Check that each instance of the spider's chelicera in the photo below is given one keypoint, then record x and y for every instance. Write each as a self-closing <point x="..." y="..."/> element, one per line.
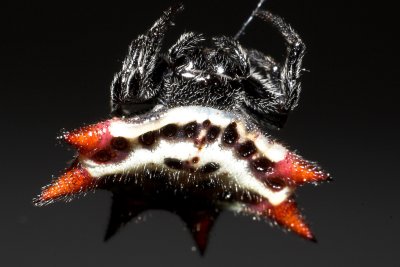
<point x="189" y="133"/>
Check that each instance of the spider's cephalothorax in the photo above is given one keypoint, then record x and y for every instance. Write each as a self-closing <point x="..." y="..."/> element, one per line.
<point x="188" y="133"/>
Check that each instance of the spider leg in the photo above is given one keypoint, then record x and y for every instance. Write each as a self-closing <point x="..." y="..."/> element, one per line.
<point x="263" y="93"/>
<point x="291" y="69"/>
<point x="232" y="57"/>
<point x="186" y="44"/>
<point x="273" y="89"/>
<point x="137" y="82"/>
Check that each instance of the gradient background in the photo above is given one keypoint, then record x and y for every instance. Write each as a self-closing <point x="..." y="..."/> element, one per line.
<point x="57" y="62"/>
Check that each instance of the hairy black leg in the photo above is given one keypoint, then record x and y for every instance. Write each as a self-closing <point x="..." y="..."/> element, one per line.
<point x="262" y="90"/>
<point x="273" y="89"/>
<point x="291" y="69"/>
<point x="231" y="57"/>
<point x="137" y="82"/>
<point x="186" y="44"/>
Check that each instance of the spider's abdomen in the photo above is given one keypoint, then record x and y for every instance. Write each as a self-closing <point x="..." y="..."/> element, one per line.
<point x="206" y="152"/>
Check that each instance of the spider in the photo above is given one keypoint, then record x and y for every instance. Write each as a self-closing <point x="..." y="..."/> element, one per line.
<point x="189" y="133"/>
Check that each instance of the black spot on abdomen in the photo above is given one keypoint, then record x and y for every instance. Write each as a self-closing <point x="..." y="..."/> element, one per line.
<point x="191" y="129"/>
<point x="246" y="149"/>
<point x="262" y="164"/>
<point x="213" y="133"/>
<point x="119" y="143"/>
<point x="148" y="138"/>
<point x="209" y="167"/>
<point x="230" y="135"/>
<point x="206" y="123"/>
<point x="275" y="183"/>
<point x="174" y="163"/>
<point x="169" y="130"/>
<point x="102" y="156"/>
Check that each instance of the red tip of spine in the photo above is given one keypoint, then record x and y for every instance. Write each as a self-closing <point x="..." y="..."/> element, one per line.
<point x="89" y="138"/>
<point x="288" y="216"/>
<point x="75" y="180"/>
<point x="299" y="171"/>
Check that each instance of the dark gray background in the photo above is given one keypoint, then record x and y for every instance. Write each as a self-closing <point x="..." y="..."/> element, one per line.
<point x="57" y="62"/>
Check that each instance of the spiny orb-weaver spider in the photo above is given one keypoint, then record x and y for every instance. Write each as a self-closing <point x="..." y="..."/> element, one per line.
<point x="189" y="133"/>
